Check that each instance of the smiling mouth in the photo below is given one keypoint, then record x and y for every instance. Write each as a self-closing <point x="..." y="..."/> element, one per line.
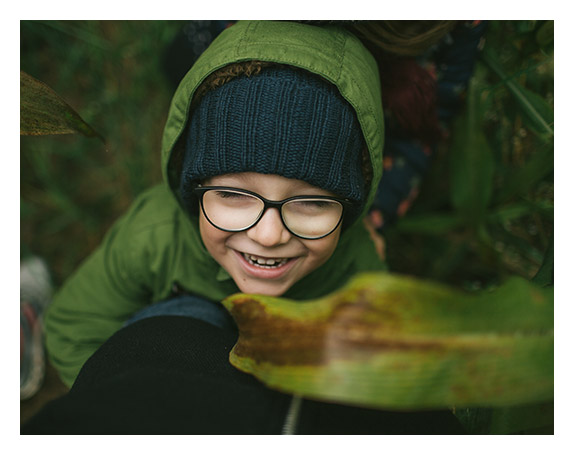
<point x="266" y="263"/>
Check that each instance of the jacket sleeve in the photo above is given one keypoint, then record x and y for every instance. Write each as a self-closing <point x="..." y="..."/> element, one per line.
<point x="118" y="279"/>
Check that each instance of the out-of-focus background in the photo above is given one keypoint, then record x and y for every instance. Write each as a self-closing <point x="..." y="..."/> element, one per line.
<point x="72" y="187"/>
<point x="485" y="210"/>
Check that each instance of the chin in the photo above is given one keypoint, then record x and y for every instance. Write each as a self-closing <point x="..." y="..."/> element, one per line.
<point x="269" y="289"/>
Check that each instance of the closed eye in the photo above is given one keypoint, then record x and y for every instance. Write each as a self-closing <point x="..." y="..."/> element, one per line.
<point x="232" y="195"/>
<point x="313" y="205"/>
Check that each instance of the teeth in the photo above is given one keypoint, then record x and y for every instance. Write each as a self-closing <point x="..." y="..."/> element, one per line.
<point x="263" y="262"/>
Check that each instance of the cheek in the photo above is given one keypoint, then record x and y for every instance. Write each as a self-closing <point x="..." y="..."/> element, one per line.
<point x="212" y="237"/>
<point x="321" y="250"/>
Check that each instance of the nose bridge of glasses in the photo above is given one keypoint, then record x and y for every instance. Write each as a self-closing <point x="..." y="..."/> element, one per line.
<point x="270" y="228"/>
<point x="271" y="209"/>
<point x="280" y="208"/>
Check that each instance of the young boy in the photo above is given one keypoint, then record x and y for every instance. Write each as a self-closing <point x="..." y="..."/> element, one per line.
<point x="268" y="173"/>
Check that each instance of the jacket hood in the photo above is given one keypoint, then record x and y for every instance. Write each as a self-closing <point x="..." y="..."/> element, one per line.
<point x="330" y="52"/>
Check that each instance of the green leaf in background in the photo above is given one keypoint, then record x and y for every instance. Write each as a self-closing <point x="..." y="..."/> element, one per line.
<point x="521" y="180"/>
<point x="538" y="114"/>
<point x="545" y="275"/>
<point x="43" y="112"/>
<point x="394" y="342"/>
<point x="545" y="35"/>
<point x="472" y="163"/>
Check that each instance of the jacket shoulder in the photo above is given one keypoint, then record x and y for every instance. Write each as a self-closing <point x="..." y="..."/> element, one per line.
<point x="155" y="206"/>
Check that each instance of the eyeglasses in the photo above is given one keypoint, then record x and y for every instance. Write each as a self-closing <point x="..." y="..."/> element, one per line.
<point x="235" y="210"/>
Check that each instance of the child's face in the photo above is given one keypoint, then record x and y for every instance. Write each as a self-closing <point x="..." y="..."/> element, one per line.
<point x="268" y="239"/>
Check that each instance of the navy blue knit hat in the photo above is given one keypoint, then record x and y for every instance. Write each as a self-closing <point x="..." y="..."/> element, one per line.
<point x="281" y="121"/>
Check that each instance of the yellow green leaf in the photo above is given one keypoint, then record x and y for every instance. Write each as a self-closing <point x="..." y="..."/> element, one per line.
<point x="43" y="111"/>
<point x="394" y="342"/>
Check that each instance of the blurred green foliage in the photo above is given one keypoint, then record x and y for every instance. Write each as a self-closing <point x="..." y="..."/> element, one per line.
<point x="485" y="210"/>
<point x="72" y="188"/>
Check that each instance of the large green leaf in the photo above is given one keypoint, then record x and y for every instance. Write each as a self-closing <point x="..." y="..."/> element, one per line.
<point x="43" y="112"/>
<point x="395" y="342"/>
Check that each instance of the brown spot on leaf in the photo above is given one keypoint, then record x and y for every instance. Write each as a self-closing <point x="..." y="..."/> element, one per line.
<point x="351" y="329"/>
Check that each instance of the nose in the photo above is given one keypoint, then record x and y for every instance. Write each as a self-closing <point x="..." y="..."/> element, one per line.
<point x="269" y="231"/>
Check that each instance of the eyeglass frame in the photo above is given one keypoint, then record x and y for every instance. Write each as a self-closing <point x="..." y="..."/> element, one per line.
<point x="267" y="204"/>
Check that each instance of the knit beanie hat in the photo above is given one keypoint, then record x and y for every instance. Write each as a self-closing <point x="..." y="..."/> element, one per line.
<point x="280" y="121"/>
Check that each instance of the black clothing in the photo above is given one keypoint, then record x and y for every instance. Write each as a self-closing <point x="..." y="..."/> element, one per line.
<point x="171" y="375"/>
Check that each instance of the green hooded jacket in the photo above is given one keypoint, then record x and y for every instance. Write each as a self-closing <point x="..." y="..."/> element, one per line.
<point x="156" y="245"/>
